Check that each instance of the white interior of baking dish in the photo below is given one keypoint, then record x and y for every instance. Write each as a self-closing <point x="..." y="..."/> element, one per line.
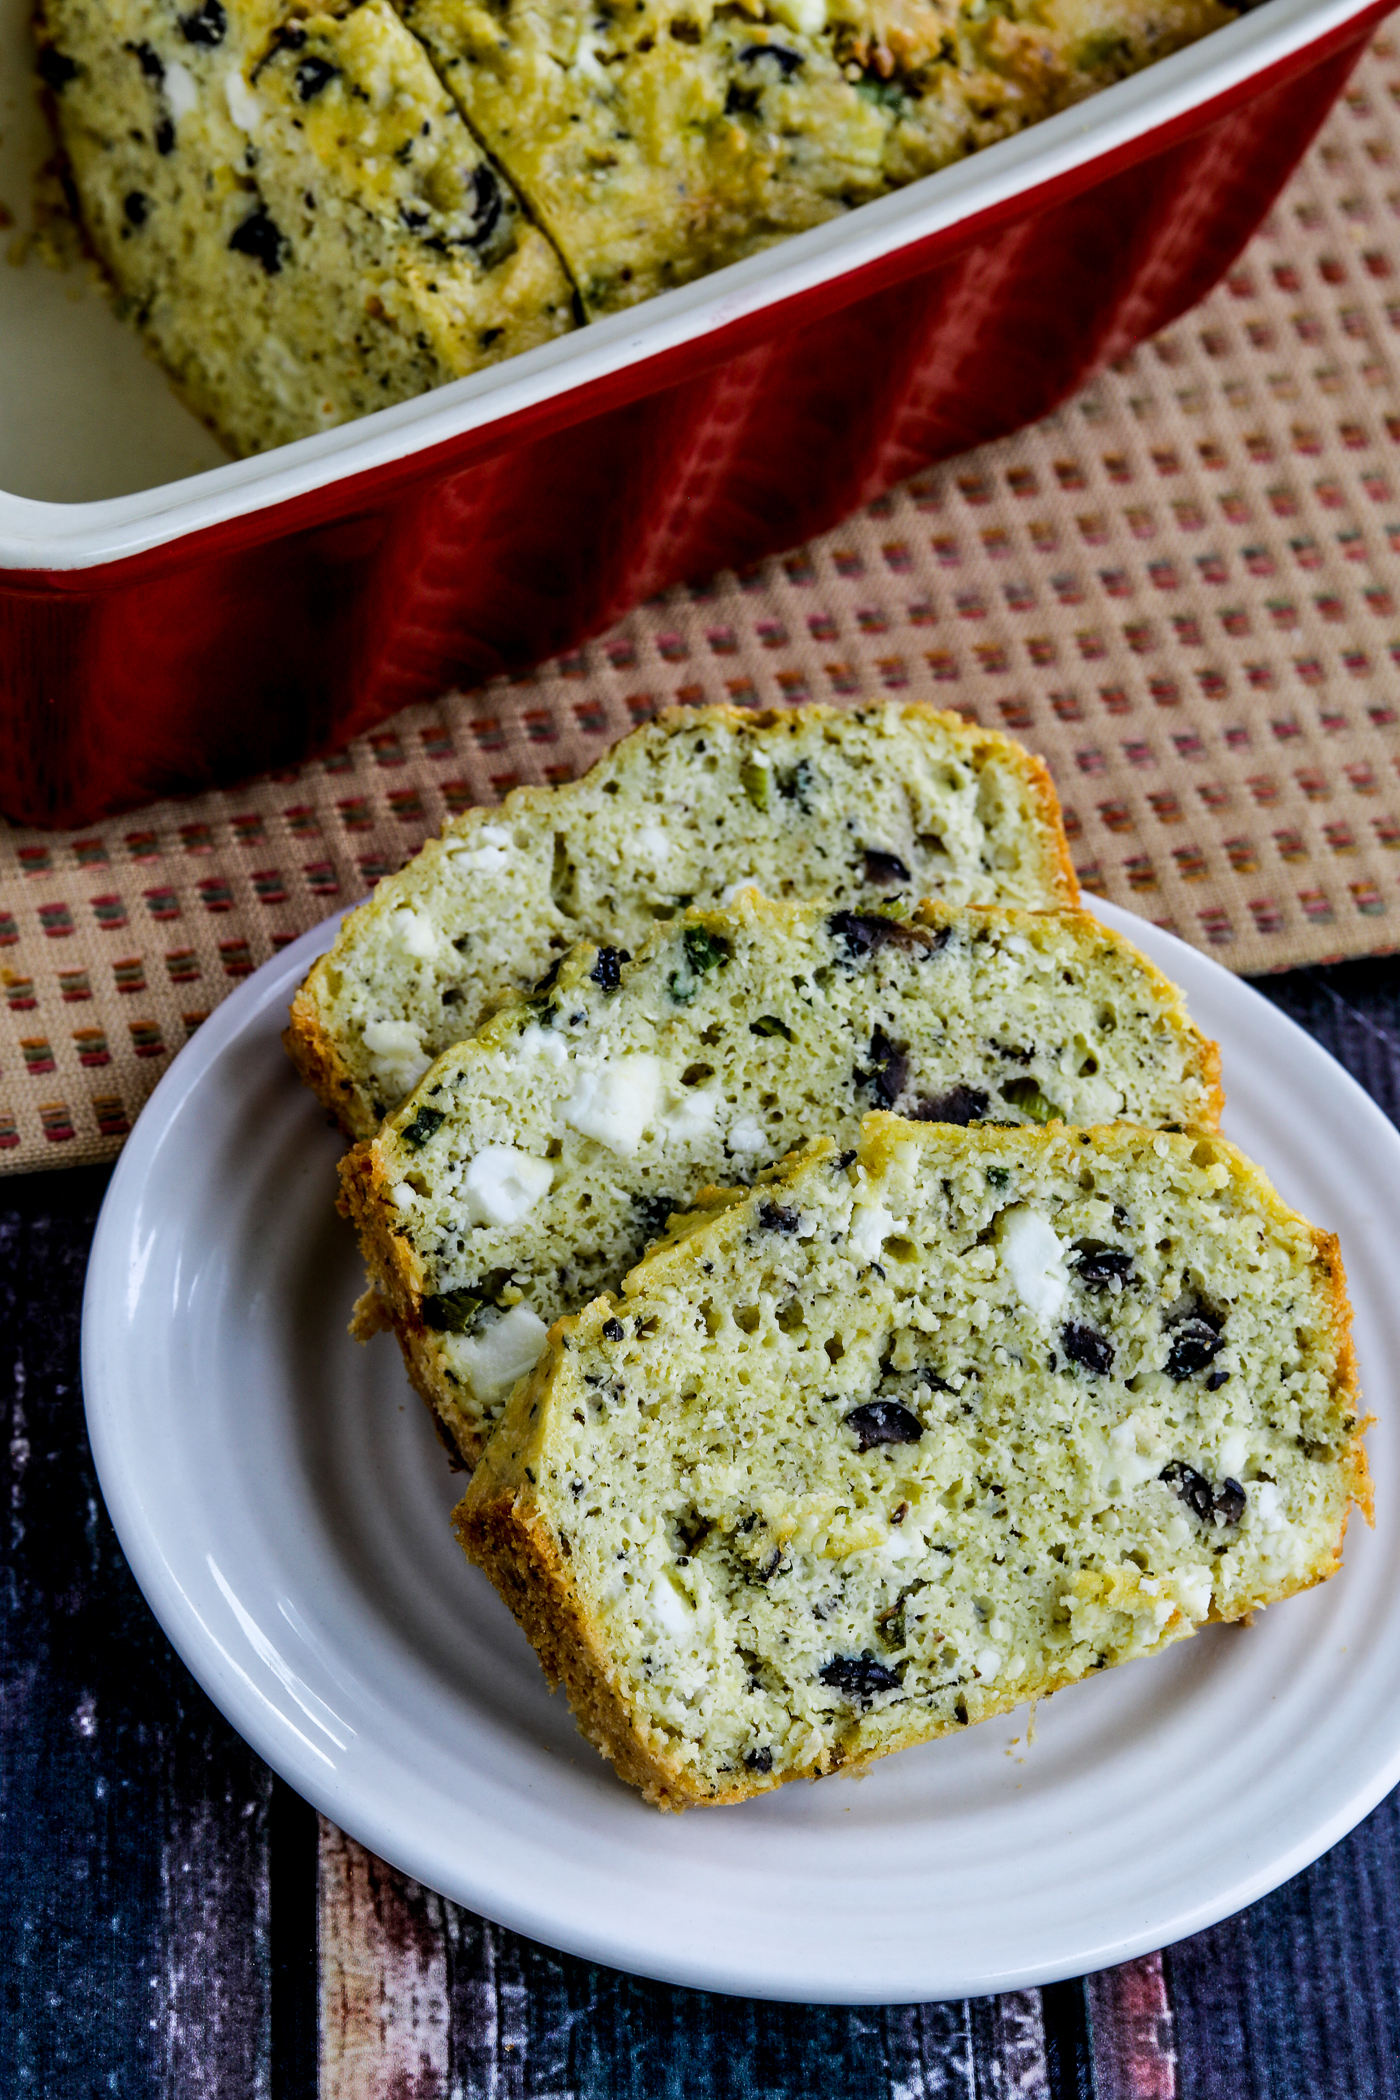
<point x="98" y="459"/>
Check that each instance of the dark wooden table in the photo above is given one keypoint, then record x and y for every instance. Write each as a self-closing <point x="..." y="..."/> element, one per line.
<point x="177" y="1923"/>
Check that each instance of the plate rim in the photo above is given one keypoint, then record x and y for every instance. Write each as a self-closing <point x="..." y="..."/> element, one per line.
<point x="375" y="1823"/>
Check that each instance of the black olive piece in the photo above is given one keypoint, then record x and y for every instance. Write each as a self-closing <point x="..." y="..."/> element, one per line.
<point x="651" y="1213"/>
<point x="136" y="207"/>
<point x="884" y="868"/>
<point x="774" y="1219"/>
<point x="1229" y="1501"/>
<point x="858" y="1677"/>
<point x="1083" y="1346"/>
<point x="759" y="1760"/>
<point x="613" y="1330"/>
<point x="1100" y="1267"/>
<point x="452" y="1312"/>
<point x="152" y="64"/>
<point x="787" y="61"/>
<point x="261" y="237"/>
<point x="422" y="1127"/>
<point x="863" y="932"/>
<point x="889" y="1072"/>
<point x="1226" y="1502"/>
<point x="312" y="75"/>
<point x="843" y="1159"/>
<point x="487" y="205"/>
<point x="1194" y="1342"/>
<point x="884" y="1422"/>
<point x="1190" y="1487"/>
<point x="607" y="970"/>
<point x="165" y="136"/>
<point x="1216" y="1380"/>
<point x="208" y="24"/>
<point x="56" y="69"/>
<point x="768" y="1025"/>
<point x="961" y="1105"/>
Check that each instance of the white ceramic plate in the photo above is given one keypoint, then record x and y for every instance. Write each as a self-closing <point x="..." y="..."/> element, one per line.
<point x="283" y="1502"/>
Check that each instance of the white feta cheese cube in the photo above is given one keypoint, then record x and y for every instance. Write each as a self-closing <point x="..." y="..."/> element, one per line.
<point x="502" y="1184"/>
<point x="1034" y="1259"/>
<point x="614" y="1102"/>
<point x="502" y="1352"/>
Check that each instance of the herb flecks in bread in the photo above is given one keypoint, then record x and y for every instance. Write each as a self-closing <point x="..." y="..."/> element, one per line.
<point x="998" y="1410"/>
<point x="854" y="805"/>
<point x="537" y="1160"/>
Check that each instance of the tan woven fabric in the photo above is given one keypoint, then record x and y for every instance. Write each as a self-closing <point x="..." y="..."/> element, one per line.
<point x="1183" y="589"/>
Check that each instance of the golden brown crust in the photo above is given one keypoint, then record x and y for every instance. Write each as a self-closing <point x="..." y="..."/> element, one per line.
<point x="319" y="1063"/>
<point x="396" y="1287"/>
<point x="1348" y="1378"/>
<point x="525" y="1563"/>
<point x="1046" y="797"/>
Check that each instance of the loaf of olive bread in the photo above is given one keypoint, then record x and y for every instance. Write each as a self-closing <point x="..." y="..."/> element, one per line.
<point x="914" y="1432"/>
<point x="855" y="805"/>
<point x="537" y="1160"/>
<point x="291" y="207"/>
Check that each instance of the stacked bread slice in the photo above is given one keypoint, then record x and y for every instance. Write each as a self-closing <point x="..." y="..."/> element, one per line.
<point x="853" y="805"/>
<point x="906" y="1435"/>
<point x="854" y="1318"/>
<point x="540" y="1157"/>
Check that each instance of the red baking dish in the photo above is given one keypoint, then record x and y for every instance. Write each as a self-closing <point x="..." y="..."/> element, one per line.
<point x="243" y="617"/>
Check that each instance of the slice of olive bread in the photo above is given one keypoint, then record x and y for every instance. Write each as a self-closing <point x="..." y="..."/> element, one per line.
<point x="854" y="805"/>
<point x="915" y="1432"/>
<point x="537" y="1160"/>
<point x="291" y="206"/>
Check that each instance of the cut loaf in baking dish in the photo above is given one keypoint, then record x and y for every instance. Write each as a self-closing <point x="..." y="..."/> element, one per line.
<point x="536" y="1161"/>
<point x="913" y="1433"/>
<point x="660" y="140"/>
<point x="855" y="805"/>
<point x="291" y="207"/>
<point x="307" y="228"/>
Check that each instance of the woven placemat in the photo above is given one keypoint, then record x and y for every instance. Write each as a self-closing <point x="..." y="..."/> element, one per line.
<point x="1182" y="589"/>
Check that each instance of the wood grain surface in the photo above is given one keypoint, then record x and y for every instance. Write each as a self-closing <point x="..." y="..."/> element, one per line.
<point x="179" y="1926"/>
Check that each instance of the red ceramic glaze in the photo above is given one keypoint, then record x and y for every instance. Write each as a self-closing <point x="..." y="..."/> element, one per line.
<point x="273" y="635"/>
